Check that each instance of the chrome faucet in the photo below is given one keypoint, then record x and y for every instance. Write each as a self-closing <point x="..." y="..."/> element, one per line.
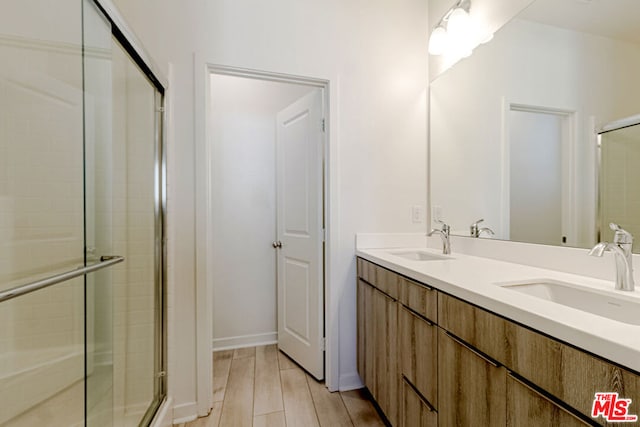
<point x="477" y="231"/>
<point x="444" y="235"/>
<point x="621" y="247"/>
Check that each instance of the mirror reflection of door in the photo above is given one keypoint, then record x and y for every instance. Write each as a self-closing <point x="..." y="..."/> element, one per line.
<point x="538" y="199"/>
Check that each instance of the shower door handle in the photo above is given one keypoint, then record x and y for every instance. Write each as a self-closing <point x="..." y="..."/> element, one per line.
<point x="105" y="261"/>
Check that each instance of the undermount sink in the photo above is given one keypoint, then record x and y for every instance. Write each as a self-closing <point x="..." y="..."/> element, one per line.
<point x="600" y="303"/>
<point x="418" y="255"/>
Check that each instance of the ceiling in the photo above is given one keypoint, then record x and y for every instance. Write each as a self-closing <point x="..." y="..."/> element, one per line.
<point x="617" y="19"/>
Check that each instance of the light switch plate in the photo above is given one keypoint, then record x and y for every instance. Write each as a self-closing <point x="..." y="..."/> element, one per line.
<point x="417" y="214"/>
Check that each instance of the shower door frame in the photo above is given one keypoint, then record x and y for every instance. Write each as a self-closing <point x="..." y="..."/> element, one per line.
<point x="131" y="44"/>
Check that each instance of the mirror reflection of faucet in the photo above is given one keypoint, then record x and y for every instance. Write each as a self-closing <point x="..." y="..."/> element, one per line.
<point x="621" y="247"/>
<point x="444" y="235"/>
<point x="476" y="231"/>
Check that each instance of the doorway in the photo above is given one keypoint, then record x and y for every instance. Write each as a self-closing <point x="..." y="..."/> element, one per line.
<point x="267" y="145"/>
<point x="540" y="163"/>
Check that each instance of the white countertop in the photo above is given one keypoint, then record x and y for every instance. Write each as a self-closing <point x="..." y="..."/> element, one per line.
<point x="474" y="279"/>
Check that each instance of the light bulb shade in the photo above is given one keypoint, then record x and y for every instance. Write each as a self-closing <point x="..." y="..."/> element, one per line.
<point x="438" y="41"/>
<point x="459" y="23"/>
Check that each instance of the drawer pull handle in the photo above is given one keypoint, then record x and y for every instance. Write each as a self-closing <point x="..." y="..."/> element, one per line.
<point x="420" y="396"/>
<point x="418" y="315"/>
<point x="473" y="350"/>
<point x="422" y="285"/>
<point x="542" y="396"/>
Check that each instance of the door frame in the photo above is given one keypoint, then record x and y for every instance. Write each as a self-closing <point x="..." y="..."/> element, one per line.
<point x="203" y="226"/>
<point x="569" y="140"/>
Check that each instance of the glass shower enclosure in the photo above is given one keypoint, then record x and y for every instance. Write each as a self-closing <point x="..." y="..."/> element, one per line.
<point x="82" y="295"/>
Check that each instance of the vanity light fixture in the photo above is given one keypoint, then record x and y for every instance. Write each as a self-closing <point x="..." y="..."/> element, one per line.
<point x="457" y="34"/>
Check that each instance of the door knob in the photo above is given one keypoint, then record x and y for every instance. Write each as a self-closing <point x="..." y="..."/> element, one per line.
<point x="277" y="244"/>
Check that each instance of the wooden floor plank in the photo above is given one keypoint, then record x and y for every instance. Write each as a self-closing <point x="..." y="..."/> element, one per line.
<point x="221" y="365"/>
<point x="213" y="420"/>
<point x="240" y="353"/>
<point x="361" y="409"/>
<point x="285" y="362"/>
<point x="274" y="419"/>
<point x="268" y="391"/>
<point x="329" y="406"/>
<point x="237" y="409"/>
<point x="298" y="404"/>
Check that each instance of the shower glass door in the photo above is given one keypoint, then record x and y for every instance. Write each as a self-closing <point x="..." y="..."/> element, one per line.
<point x="80" y="183"/>
<point x="41" y="212"/>
<point x="123" y="217"/>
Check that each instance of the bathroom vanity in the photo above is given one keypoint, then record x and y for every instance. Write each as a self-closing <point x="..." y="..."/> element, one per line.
<point x="449" y="340"/>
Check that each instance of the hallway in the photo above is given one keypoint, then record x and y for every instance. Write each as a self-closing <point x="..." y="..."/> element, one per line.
<point x="260" y="386"/>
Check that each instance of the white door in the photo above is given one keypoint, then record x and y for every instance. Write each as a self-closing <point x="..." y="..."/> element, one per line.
<point x="300" y="140"/>
<point x="536" y="177"/>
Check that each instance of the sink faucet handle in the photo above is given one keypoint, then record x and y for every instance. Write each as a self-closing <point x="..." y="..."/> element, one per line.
<point x="621" y="236"/>
<point x="477" y="222"/>
<point x="445" y="226"/>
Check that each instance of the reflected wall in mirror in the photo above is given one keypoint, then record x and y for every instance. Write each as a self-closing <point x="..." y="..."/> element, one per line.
<point x="620" y="182"/>
<point x="513" y="127"/>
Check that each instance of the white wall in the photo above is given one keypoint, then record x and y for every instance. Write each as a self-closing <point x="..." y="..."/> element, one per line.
<point x="243" y="184"/>
<point x="373" y="53"/>
<point x="589" y="75"/>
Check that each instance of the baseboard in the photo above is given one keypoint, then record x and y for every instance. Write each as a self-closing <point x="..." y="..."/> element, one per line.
<point x="350" y="382"/>
<point x="185" y="412"/>
<point x="244" y="341"/>
<point x="164" y="416"/>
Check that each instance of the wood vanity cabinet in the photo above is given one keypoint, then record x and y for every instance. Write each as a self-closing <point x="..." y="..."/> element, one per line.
<point x="377" y="338"/>
<point x="430" y="359"/>
<point x="547" y="380"/>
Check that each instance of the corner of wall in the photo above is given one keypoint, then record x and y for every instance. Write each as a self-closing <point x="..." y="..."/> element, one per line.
<point x="350" y="381"/>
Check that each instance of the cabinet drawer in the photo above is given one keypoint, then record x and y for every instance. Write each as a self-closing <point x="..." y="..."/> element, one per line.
<point x="481" y="329"/>
<point x="415" y="411"/>
<point x="420" y="298"/>
<point x="570" y="375"/>
<point x="383" y="279"/>
<point x="527" y="407"/>
<point x="471" y="387"/>
<point x="419" y="353"/>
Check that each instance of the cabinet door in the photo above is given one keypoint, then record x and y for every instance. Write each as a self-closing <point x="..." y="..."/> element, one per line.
<point x="385" y="319"/>
<point x="415" y="411"/>
<point x="471" y="386"/>
<point x="366" y="337"/>
<point x="571" y="375"/>
<point x="526" y="407"/>
<point x="419" y="353"/>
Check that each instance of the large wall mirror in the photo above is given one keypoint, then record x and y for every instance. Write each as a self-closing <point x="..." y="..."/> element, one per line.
<point x="514" y="127"/>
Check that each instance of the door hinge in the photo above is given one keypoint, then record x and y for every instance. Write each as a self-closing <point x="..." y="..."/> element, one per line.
<point x="324" y="235"/>
<point x="323" y="344"/>
<point x="160" y="110"/>
<point x="323" y="126"/>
